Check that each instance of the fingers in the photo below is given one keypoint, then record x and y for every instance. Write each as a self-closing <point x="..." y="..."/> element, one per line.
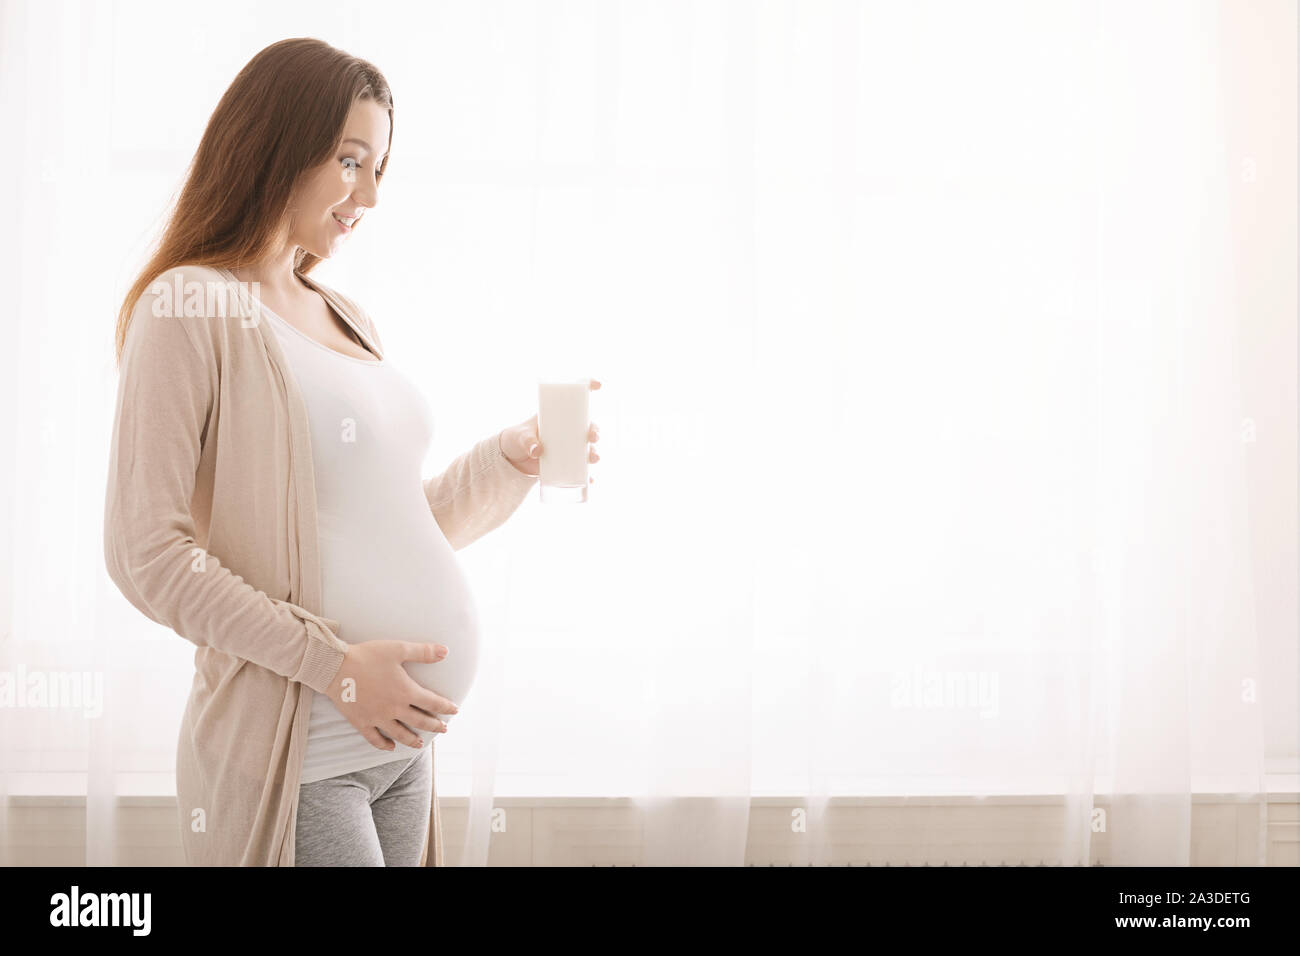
<point x="431" y="703"/>
<point x="593" y="433"/>
<point x="533" y="442"/>
<point x="400" y="732"/>
<point x="425" y="653"/>
<point x="426" y="721"/>
<point x="377" y="740"/>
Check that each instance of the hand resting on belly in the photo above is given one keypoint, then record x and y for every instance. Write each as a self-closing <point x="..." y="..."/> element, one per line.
<point x="377" y="696"/>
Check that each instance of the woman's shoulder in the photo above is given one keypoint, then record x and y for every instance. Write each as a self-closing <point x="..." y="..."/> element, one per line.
<point x="193" y="290"/>
<point x="189" y="277"/>
<point x="205" y="299"/>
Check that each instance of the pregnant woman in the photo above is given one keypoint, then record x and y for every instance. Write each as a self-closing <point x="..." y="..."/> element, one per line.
<point x="265" y="498"/>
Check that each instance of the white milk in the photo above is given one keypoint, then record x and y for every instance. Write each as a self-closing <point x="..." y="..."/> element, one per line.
<point x="563" y="418"/>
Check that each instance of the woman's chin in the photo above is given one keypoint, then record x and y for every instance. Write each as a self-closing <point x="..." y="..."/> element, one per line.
<point x="325" y="250"/>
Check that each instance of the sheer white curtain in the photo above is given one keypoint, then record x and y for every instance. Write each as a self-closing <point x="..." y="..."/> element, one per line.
<point x="923" y="468"/>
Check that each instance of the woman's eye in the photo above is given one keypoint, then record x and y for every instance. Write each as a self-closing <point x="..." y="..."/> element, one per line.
<point x="350" y="167"/>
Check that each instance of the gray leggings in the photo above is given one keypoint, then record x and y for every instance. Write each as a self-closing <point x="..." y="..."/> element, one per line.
<point x="373" y="817"/>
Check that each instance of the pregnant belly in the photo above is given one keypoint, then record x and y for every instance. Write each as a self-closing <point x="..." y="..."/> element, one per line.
<point x="403" y="586"/>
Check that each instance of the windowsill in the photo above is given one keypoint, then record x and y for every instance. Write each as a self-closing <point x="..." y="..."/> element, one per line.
<point x="140" y="789"/>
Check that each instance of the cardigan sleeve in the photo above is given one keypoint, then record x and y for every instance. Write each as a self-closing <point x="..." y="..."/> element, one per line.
<point x="476" y="493"/>
<point x="165" y="400"/>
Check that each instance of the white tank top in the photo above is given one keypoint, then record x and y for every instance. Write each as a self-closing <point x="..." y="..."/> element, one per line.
<point x="387" y="571"/>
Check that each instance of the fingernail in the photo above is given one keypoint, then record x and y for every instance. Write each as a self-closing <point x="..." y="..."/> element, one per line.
<point x="532" y="449"/>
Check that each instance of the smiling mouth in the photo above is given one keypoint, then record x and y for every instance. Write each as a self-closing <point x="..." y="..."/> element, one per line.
<point x="347" y="222"/>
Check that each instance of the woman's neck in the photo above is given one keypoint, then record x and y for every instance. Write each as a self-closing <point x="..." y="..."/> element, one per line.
<point x="274" y="277"/>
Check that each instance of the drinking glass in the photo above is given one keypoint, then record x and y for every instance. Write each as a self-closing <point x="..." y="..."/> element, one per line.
<point x="563" y="420"/>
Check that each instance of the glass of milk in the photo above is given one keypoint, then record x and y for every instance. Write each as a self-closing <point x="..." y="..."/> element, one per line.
<point x="563" y="420"/>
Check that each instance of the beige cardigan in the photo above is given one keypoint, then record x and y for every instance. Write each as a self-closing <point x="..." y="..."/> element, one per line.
<point x="210" y="529"/>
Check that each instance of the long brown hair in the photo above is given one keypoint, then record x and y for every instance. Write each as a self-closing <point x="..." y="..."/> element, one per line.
<point x="282" y="116"/>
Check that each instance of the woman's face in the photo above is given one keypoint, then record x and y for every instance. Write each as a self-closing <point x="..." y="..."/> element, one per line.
<point x="344" y="186"/>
